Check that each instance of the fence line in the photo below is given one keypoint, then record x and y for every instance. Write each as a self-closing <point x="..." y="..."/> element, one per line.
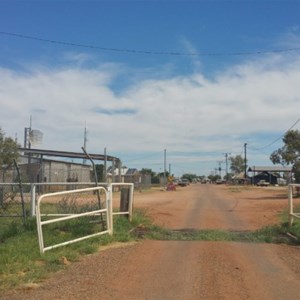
<point x="31" y="194"/>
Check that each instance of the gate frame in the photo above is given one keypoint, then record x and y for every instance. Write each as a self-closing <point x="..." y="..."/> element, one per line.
<point x="108" y="189"/>
<point x="64" y="217"/>
<point x="292" y="215"/>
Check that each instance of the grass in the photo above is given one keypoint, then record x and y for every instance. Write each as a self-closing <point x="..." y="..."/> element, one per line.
<point x="269" y="234"/>
<point x="21" y="262"/>
<point x="20" y="258"/>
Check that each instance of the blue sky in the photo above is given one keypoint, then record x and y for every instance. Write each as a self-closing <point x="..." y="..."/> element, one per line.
<point x="197" y="78"/>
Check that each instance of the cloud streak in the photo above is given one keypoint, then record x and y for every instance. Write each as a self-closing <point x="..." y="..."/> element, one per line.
<point x="116" y="111"/>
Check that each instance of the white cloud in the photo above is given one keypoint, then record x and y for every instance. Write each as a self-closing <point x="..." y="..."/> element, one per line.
<point x="181" y="113"/>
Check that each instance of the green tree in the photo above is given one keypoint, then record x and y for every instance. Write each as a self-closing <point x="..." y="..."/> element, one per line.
<point x="146" y="171"/>
<point x="8" y="151"/>
<point x="237" y="164"/>
<point x="189" y="176"/>
<point x="289" y="153"/>
<point x="100" y="171"/>
<point x="213" y="178"/>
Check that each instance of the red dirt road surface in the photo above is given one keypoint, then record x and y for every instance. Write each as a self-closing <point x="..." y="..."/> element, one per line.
<point x="162" y="270"/>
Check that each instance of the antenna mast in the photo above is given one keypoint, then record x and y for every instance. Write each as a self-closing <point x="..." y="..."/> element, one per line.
<point x="27" y="143"/>
<point x="84" y="140"/>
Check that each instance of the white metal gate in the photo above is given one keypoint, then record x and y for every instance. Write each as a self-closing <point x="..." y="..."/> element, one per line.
<point x="108" y="211"/>
<point x="292" y="214"/>
<point x="63" y="217"/>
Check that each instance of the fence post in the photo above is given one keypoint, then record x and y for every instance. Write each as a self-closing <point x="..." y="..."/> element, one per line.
<point x="32" y="200"/>
<point x="130" y="202"/>
<point x="124" y="203"/>
<point x="110" y="209"/>
<point x="290" y="191"/>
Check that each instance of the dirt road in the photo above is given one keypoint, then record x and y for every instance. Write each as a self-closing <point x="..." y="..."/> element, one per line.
<point x="188" y="270"/>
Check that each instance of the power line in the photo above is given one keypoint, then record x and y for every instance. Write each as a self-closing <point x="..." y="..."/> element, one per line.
<point x="143" y="157"/>
<point x="148" y="52"/>
<point x="281" y="136"/>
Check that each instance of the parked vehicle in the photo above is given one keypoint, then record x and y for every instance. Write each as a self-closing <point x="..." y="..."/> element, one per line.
<point x="183" y="182"/>
<point x="263" y="183"/>
<point x="220" y="181"/>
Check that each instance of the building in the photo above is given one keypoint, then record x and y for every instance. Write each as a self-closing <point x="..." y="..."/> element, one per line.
<point x="49" y="171"/>
<point x="272" y="174"/>
<point x="129" y="175"/>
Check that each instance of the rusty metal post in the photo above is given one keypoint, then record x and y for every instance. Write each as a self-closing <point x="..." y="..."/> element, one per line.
<point x="124" y="203"/>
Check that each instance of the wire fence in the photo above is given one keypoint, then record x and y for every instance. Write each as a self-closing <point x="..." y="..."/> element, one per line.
<point x="21" y="184"/>
<point x="11" y="202"/>
<point x="18" y="193"/>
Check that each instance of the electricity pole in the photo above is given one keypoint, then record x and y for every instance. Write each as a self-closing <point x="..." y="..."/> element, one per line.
<point x="165" y="165"/>
<point x="245" y="150"/>
<point x="226" y="159"/>
<point x="220" y="169"/>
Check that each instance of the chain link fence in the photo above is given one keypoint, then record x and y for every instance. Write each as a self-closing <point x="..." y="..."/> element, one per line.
<point x="12" y="195"/>
<point x="22" y="184"/>
<point x="18" y="193"/>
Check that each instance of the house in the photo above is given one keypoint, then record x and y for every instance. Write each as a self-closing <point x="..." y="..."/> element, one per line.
<point x="129" y="175"/>
<point x="133" y="176"/>
<point x="239" y="178"/>
<point x="125" y="174"/>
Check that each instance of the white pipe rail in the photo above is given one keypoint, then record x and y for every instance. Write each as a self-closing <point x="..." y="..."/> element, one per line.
<point x="64" y="217"/>
<point x="107" y="188"/>
<point x="34" y="185"/>
<point x="292" y="214"/>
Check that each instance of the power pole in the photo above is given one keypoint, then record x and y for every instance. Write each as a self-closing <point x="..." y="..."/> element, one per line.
<point x="245" y="161"/>
<point x="226" y="159"/>
<point x="220" y="169"/>
<point x="216" y="171"/>
<point x="165" y="165"/>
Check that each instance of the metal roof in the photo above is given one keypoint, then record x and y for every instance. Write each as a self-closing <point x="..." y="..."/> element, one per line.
<point x="132" y="171"/>
<point x="270" y="169"/>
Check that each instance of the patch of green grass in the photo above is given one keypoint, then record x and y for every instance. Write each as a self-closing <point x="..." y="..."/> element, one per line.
<point x="158" y="233"/>
<point x="20" y="258"/>
<point x="270" y="234"/>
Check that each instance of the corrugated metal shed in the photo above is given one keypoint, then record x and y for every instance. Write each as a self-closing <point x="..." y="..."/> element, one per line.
<point x="270" y="169"/>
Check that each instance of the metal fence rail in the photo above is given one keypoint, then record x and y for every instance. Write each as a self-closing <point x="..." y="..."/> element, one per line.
<point x="44" y="219"/>
<point x="10" y="195"/>
<point x="55" y="218"/>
